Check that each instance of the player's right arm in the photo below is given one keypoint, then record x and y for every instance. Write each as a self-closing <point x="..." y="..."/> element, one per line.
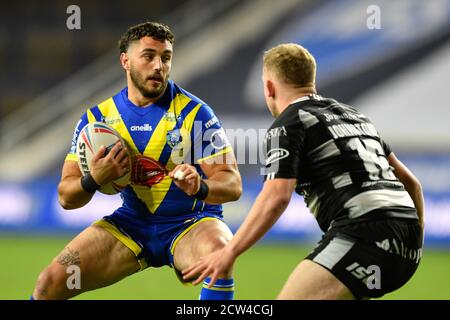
<point x="70" y="193"/>
<point x="411" y="183"/>
<point x="103" y="170"/>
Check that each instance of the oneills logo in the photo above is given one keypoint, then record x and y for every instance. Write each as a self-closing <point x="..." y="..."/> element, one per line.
<point x="276" y="155"/>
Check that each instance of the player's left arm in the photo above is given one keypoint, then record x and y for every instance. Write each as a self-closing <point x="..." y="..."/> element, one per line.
<point x="212" y="151"/>
<point x="224" y="180"/>
<point x="411" y="183"/>
<point x="268" y="207"/>
<point x="285" y="141"/>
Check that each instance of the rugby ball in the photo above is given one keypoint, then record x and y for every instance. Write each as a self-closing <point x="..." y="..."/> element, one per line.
<point x="91" y="138"/>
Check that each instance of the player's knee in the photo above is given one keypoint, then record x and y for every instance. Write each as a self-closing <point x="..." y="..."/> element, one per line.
<point x="51" y="283"/>
<point x="214" y="244"/>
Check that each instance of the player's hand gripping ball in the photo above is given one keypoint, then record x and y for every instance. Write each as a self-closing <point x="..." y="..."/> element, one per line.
<point x="91" y="138"/>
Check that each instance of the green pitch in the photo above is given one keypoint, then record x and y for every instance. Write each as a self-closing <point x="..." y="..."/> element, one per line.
<point x="260" y="273"/>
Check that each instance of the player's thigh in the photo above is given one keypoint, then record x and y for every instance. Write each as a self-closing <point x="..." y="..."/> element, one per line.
<point x="205" y="237"/>
<point x="310" y="280"/>
<point x="101" y="258"/>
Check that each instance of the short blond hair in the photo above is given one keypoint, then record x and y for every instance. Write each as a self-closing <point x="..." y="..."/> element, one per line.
<point x="292" y="64"/>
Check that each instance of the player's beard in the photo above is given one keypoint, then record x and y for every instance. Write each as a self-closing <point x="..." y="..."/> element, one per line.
<point x="140" y="81"/>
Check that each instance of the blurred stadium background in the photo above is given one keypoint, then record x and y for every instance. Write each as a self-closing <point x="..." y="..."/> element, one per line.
<point x="398" y="75"/>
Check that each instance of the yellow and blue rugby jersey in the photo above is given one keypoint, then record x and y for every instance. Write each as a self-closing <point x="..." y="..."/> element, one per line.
<point x="177" y="119"/>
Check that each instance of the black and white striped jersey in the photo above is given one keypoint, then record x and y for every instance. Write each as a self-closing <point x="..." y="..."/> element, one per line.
<point x="339" y="161"/>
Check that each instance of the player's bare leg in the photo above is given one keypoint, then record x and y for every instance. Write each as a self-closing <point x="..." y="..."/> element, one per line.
<point x="102" y="259"/>
<point x="310" y="280"/>
<point x="206" y="237"/>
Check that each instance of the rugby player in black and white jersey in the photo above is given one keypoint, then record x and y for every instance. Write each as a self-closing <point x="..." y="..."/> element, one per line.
<point x="368" y="204"/>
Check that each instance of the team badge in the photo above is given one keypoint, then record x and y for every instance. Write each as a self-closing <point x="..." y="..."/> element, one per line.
<point x="174" y="137"/>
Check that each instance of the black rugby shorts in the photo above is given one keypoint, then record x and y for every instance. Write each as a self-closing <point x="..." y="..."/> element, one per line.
<point x="371" y="258"/>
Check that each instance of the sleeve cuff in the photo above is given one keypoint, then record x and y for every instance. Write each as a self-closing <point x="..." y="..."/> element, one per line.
<point x="226" y="150"/>
<point x="71" y="157"/>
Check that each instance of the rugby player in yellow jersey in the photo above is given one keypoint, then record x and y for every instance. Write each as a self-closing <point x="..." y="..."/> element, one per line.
<point x="163" y="220"/>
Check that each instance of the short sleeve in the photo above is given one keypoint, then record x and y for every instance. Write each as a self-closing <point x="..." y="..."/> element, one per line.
<point x="72" y="155"/>
<point x="208" y="137"/>
<point x="284" y="144"/>
<point x="386" y="148"/>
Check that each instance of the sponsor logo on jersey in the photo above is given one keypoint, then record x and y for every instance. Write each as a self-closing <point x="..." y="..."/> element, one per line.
<point x="276" y="155"/>
<point x="112" y="120"/>
<point x="346" y="116"/>
<point x="169" y="116"/>
<point x="211" y="122"/>
<point x="275" y="132"/>
<point x="145" y="127"/>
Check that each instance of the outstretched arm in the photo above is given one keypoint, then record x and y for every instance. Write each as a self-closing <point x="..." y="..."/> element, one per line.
<point x="411" y="183"/>
<point x="268" y="207"/>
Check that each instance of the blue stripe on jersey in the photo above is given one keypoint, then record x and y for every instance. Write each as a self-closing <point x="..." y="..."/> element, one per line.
<point x="167" y="150"/>
<point x="97" y="113"/>
<point x="80" y="125"/>
<point x="133" y="202"/>
<point x="175" y="202"/>
<point x="175" y="195"/>
<point x="141" y="128"/>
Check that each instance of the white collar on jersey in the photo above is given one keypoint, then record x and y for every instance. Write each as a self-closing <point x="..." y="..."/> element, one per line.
<point x="308" y="97"/>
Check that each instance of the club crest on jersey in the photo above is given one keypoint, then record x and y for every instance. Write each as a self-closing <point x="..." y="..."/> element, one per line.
<point x="174" y="137"/>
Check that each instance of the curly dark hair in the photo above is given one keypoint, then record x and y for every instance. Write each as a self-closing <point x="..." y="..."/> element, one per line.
<point x="155" y="30"/>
